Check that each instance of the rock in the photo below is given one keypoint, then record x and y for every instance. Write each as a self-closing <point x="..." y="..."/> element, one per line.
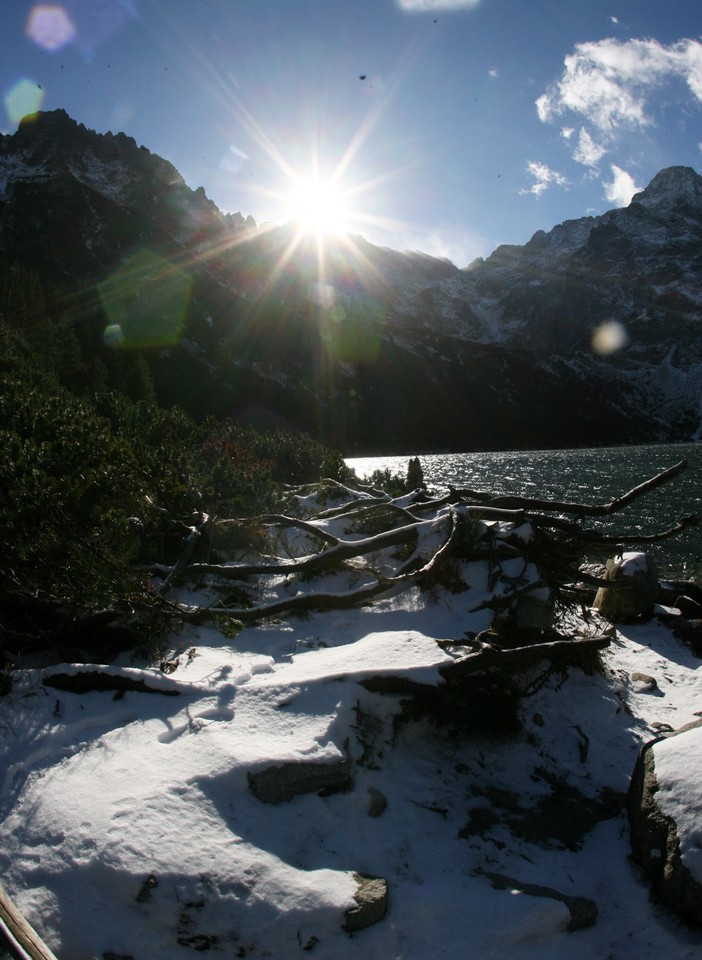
<point x="656" y="836"/>
<point x="583" y="911"/>
<point x="670" y="590"/>
<point x="690" y="632"/>
<point x="636" y="590"/>
<point x="689" y="608"/>
<point x="371" y="903"/>
<point x="278" y="784"/>
<point x="644" y="682"/>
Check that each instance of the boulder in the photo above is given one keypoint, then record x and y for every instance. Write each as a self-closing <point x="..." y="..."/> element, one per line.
<point x="371" y="903"/>
<point x="280" y="783"/>
<point x="689" y="608"/>
<point x="665" y="815"/>
<point x="634" y="591"/>
<point x="690" y="632"/>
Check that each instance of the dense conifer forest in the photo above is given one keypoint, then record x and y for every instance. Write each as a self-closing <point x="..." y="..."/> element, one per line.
<point x="98" y="482"/>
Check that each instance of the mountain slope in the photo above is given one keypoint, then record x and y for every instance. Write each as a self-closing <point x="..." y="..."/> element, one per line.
<point x="375" y="349"/>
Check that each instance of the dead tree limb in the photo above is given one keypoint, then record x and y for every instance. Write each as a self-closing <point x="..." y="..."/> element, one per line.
<point x="191" y="542"/>
<point x="593" y="537"/>
<point x="490" y="660"/>
<point x="352" y="510"/>
<point x="300" y="603"/>
<point x="327" y="601"/>
<point x="580" y="509"/>
<point x="342" y="550"/>
<point x="281" y="520"/>
<point x="497" y="531"/>
<point x="495" y="658"/>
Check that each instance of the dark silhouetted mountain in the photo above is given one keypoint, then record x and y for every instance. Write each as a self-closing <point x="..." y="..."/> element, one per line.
<point x="585" y="335"/>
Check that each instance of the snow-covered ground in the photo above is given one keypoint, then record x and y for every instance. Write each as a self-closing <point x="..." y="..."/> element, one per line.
<point x="128" y="827"/>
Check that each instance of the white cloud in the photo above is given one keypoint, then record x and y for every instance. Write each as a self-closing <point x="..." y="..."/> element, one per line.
<point x="544" y="108"/>
<point x="493" y="72"/>
<point x="567" y="132"/>
<point x="429" y="6"/>
<point x="608" y="81"/>
<point x="588" y="151"/>
<point x="544" y="177"/>
<point x="621" y="188"/>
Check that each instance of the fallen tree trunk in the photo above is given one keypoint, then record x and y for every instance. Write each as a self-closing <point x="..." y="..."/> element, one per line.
<point x="510" y="659"/>
<point x="325" y="601"/>
<point x="340" y="550"/>
<point x="490" y="660"/>
<point x="529" y="549"/>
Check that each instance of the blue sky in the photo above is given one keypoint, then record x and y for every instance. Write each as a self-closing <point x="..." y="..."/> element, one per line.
<point x="447" y="126"/>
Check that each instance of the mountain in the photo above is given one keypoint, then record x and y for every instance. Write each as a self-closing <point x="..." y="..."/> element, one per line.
<point x="588" y="334"/>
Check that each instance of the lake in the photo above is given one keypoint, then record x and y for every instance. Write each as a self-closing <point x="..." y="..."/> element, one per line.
<point x="590" y="476"/>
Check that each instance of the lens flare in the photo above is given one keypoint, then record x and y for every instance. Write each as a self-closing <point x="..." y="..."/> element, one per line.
<point x="233" y="160"/>
<point x="609" y="337"/>
<point x="23" y="99"/>
<point x="50" y="26"/>
<point x="86" y="24"/>
<point x="145" y="302"/>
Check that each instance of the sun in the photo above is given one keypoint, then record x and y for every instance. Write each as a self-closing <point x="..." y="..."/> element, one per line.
<point x="319" y="207"/>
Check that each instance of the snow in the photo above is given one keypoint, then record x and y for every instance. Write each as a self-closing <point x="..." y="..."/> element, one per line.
<point x="678" y="768"/>
<point x="633" y="561"/>
<point x="127" y="826"/>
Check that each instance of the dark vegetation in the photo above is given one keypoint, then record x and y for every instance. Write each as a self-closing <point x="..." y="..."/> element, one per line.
<point x="108" y="499"/>
<point x="98" y="482"/>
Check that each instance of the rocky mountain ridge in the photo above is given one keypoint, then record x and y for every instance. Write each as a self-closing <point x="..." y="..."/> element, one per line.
<point x="387" y="351"/>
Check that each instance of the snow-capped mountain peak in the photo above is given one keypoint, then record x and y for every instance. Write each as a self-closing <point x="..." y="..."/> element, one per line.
<point x="401" y="338"/>
<point x="672" y="187"/>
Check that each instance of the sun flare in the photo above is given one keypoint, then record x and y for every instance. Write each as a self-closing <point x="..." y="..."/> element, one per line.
<point x="319" y="206"/>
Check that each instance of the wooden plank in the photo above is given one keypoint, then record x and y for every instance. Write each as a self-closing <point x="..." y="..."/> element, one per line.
<point x="21" y="939"/>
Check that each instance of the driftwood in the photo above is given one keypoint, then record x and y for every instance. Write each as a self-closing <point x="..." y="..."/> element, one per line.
<point x="581" y="509"/>
<point x="17" y="936"/>
<point x="559" y="544"/>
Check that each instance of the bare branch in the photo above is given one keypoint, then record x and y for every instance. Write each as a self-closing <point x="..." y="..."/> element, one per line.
<point x="581" y="509"/>
<point x="495" y="658"/>
<point x="342" y="550"/>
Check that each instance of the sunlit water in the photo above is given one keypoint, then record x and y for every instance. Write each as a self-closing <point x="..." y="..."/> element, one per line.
<point x="585" y="476"/>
